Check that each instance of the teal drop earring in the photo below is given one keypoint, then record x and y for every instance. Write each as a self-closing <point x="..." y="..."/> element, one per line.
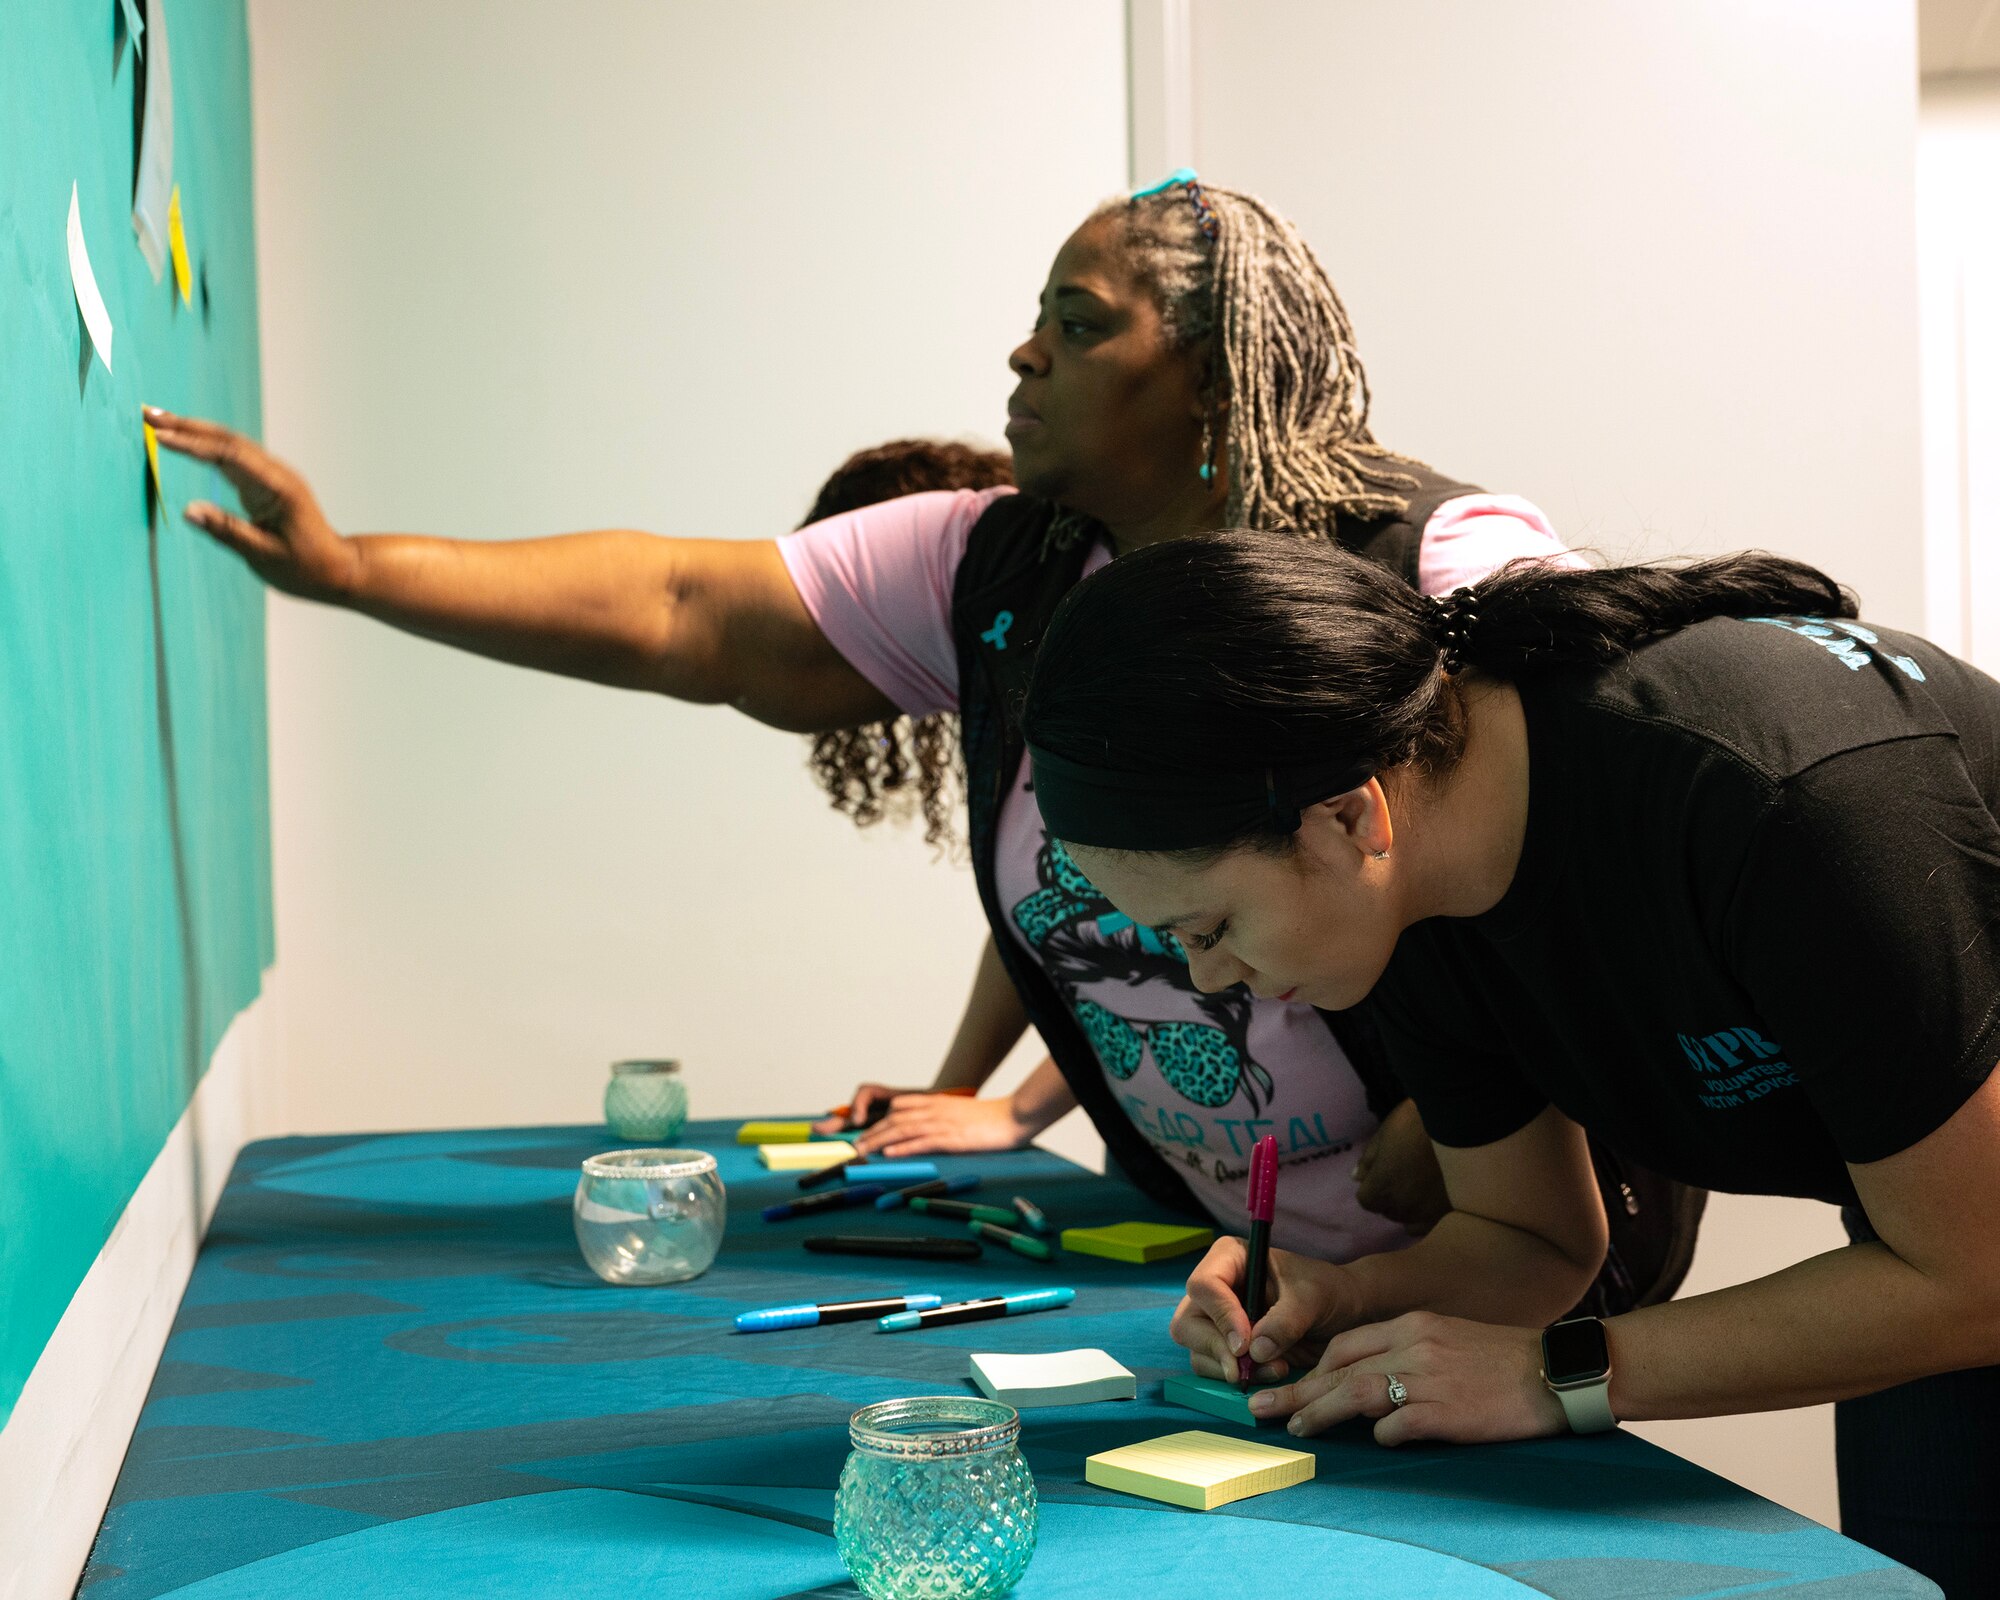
<point x="1207" y="468"/>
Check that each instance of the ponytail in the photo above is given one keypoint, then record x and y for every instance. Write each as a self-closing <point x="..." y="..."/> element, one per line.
<point x="1532" y="616"/>
<point x="1200" y="693"/>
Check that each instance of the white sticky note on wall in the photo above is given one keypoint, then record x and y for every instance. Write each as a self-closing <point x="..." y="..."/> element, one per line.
<point x="154" y="194"/>
<point x="135" y="26"/>
<point x="84" y="282"/>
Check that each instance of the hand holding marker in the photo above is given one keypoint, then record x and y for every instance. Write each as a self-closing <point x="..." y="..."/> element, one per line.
<point x="1263" y="1202"/>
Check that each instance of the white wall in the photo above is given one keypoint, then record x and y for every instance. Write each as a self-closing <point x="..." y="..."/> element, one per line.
<point x="1652" y="265"/>
<point x="1958" y="231"/>
<point x="623" y="264"/>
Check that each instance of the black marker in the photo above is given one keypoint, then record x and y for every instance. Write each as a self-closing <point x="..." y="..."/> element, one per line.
<point x="924" y="1247"/>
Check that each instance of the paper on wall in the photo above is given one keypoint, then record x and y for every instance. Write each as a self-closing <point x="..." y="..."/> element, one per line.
<point x="83" y="281"/>
<point x="153" y="459"/>
<point x="135" y="27"/>
<point x="177" y="244"/>
<point x="156" y="152"/>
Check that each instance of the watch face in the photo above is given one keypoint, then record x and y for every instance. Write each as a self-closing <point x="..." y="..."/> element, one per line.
<point x="1575" y="1352"/>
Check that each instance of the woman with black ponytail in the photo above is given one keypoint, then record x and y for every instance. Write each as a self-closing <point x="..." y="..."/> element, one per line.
<point x="1687" y="859"/>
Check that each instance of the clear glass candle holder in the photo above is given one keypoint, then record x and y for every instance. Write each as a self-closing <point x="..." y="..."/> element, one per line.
<point x="646" y="1100"/>
<point x="649" y="1216"/>
<point x="935" y="1501"/>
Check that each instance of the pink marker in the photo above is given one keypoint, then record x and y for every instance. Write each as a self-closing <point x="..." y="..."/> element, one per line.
<point x="1263" y="1204"/>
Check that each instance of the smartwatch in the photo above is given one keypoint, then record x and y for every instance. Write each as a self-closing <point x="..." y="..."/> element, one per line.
<point x="1576" y="1365"/>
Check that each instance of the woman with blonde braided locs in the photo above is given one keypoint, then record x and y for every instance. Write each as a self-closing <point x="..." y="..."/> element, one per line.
<point x="1189" y="365"/>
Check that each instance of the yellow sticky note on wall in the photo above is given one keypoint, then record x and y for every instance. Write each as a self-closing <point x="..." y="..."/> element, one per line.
<point x="177" y="243"/>
<point x="153" y="460"/>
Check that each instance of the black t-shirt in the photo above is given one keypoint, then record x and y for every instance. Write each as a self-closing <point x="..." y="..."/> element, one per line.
<point x="1755" y="929"/>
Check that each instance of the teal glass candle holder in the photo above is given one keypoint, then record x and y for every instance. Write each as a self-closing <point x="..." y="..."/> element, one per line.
<point x="649" y="1216"/>
<point x="935" y="1502"/>
<point x="646" y="1100"/>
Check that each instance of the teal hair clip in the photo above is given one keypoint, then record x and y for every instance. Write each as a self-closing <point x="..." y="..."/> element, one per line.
<point x="1178" y="175"/>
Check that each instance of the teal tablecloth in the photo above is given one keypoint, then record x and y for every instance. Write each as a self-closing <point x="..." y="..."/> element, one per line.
<point x="393" y="1375"/>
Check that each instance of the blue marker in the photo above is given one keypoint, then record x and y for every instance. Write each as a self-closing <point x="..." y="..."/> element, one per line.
<point x="855" y="1194"/>
<point x="1005" y="1305"/>
<point x="892" y="1172"/>
<point x="806" y="1316"/>
<point x="898" y="1197"/>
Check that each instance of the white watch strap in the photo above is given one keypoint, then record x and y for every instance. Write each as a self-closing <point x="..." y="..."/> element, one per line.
<point x="1589" y="1407"/>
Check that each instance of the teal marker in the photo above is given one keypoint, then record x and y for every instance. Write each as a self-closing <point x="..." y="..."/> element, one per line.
<point x="1030" y="1213"/>
<point x="1020" y="1243"/>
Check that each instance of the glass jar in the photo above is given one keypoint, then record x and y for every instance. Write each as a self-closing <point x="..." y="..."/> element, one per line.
<point x="649" y="1216"/>
<point x="935" y="1500"/>
<point x="646" y="1100"/>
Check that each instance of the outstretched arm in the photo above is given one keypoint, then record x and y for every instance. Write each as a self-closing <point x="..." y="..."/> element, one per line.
<point x="716" y="621"/>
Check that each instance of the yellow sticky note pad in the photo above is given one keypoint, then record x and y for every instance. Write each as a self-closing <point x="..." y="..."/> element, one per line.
<point x="177" y="244"/>
<point x="153" y="459"/>
<point x="1137" y="1242"/>
<point x="805" y="1157"/>
<point x="1198" y="1470"/>
<point x="774" y="1133"/>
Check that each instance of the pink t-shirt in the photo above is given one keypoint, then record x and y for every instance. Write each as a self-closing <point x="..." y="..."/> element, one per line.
<point x="1203" y="1077"/>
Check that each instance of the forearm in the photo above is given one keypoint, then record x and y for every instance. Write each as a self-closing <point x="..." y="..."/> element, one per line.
<point x="1043" y="1097"/>
<point x="1467" y="1266"/>
<point x="1838" y="1325"/>
<point x="993" y="1023"/>
<point x="587" y="605"/>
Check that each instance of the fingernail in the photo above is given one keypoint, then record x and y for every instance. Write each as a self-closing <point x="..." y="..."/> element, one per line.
<point x="1262" y="1350"/>
<point x="153" y="411"/>
<point x="1235" y="1343"/>
<point x="1295" y="1426"/>
<point x="1261" y="1402"/>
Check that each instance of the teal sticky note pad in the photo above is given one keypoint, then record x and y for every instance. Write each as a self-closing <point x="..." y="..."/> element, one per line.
<point x="1218" y="1399"/>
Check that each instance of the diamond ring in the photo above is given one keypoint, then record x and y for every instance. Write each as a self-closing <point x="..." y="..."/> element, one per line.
<point x="1398" y="1395"/>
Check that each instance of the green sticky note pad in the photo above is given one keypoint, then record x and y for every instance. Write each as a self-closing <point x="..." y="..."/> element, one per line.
<point x="1218" y="1399"/>
<point x="1138" y="1242"/>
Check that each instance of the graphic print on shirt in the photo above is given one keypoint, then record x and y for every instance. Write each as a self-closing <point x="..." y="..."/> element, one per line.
<point x="1736" y="1066"/>
<point x="1841" y="646"/>
<point x="1207" y="1062"/>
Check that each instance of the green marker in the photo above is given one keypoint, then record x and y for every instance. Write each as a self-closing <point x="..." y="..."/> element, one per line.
<point x="1019" y="1243"/>
<point x="961" y="1210"/>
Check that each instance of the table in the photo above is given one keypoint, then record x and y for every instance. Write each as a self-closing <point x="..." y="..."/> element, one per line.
<point x="392" y="1375"/>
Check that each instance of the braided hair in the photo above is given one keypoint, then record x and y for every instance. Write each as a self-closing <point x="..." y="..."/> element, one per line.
<point x="902" y="764"/>
<point x="1238" y="285"/>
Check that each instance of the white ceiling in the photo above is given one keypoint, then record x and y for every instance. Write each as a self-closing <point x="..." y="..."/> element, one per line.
<point x="1958" y="35"/>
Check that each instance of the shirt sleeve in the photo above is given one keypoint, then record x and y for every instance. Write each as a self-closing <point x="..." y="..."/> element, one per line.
<point x="878" y="581"/>
<point x="1439" y="1039"/>
<point x="1475" y="535"/>
<point x="1866" y="927"/>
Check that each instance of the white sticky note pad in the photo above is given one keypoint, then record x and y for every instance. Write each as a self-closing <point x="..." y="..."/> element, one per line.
<point x="1052" y="1378"/>
<point x="83" y="282"/>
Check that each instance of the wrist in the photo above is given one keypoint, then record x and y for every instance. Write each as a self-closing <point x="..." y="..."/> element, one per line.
<point x="1576" y="1373"/>
<point x="347" y="577"/>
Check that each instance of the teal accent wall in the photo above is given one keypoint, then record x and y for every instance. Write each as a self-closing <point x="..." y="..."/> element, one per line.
<point x="135" y="878"/>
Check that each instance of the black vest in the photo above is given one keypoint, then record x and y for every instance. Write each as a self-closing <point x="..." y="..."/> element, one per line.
<point x="1006" y="590"/>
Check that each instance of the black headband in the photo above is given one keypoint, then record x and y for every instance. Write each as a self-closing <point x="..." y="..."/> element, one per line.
<point x="1113" y="809"/>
